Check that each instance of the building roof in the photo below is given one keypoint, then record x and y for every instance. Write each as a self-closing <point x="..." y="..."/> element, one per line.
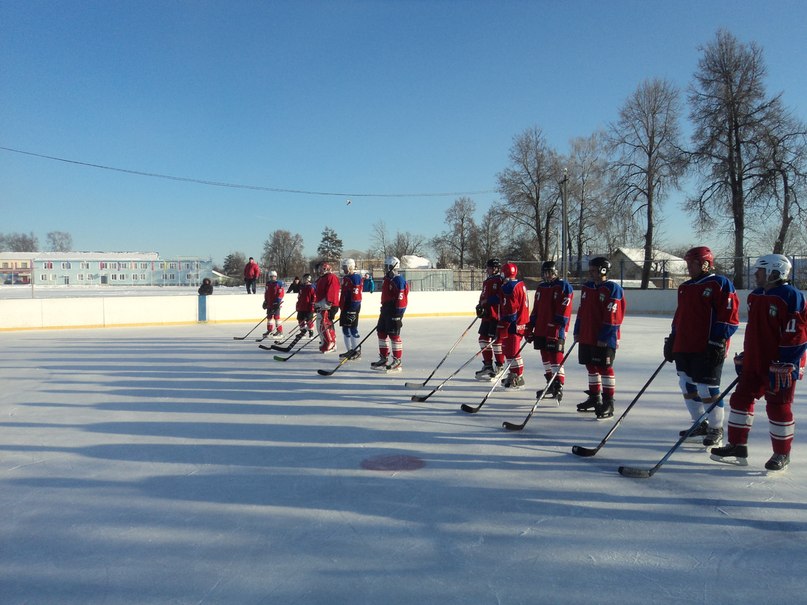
<point x="672" y="263"/>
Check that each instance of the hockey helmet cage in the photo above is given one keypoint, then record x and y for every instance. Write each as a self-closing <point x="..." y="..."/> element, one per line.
<point x="777" y="266"/>
<point x="391" y="263"/>
<point x="509" y="270"/>
<point x="602" y="264"/>
<point x="549" y="266"/>
<point x="701" y="254"/>
<point x="307" y="278"/>
<point x="494" y="263"/>
<point x="324" y="267"/>
<point x="273" y="274"/>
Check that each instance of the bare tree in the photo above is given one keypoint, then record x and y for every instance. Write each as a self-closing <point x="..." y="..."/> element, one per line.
<point x="406" y="243"/>
<point x="488" y="239"/>
<point x="234" y="264"/>
<point x="728" y="106"/>
<point x="60" y="241"/>
<point x="529" y="188"/>
<point x="381" y="240"/>
<point x="649" y="160"/>
<point x="21" y="242"/>
<point x="588" y="206"/>
<point x="283" y="252"/>
<point x="461" y="229"/>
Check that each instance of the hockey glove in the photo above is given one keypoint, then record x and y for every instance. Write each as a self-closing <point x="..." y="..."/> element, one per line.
<point x="553" y="345"/>
<point x="350" y="317"/>
<point x="276" y="307"/>
<point x="668" y="348"/>
<point x="782" y="375"/>
<point x="738" y="363"/>
<point x="480" y="310"/>
<point x="715" y="352"/>
<point x="264" y="305"/>
<point x="528" y="329"/>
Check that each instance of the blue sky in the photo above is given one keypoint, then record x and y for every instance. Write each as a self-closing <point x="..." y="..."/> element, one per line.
<point x="353" y="98"/>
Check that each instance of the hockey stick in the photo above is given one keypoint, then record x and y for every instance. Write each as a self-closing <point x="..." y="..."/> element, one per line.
<point x="473" y="409"/>
<point x="279" y="324"/>
<point x="517" y="427"/>
<point x="632" y="471"/>
<point x="586" y="452"/>
<point x="419" y="385"/>
<point x="422" y="398"/>
<point x="287" y="357"/>
<point x="347" y="356"/>
<point x="244" y="337"/>
<point x="278" y="347"/>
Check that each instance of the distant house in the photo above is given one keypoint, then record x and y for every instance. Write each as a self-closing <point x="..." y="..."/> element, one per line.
<point x="102" y="268"/>
<point x="666" y="270"/>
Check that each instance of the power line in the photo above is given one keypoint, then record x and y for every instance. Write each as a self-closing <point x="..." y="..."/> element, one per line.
<point x="238" y="185"/>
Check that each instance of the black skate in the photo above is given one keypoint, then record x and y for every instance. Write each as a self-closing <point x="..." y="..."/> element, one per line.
<point x="777" y="462"/>
<point x="731" y="454"/>
<point x="714" y="437"/>
<point x="605" y="409"/>
<point x="700" y="431"/>
<point x="590" y="404"/>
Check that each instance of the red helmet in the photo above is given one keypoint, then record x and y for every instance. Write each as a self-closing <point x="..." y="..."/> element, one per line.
<point x="509" y="270"/>
<point x="324" y="268"/>
<point x="701" y="254"/>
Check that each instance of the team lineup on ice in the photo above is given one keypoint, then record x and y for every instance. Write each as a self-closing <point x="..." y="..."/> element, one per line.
<point x="770" y="363"/>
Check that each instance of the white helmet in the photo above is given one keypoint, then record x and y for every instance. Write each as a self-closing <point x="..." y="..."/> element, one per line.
<point x="391" y="263"/>
<point x="348" y="265"/>
<point x="777" y="266"/>
<point x="272" y="274"/>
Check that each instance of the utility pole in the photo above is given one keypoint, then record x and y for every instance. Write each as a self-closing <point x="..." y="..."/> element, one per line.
<point x="564" y="228"/>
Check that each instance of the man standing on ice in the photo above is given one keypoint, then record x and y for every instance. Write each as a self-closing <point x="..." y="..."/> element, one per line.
<point x="306" y="297"/>
<point x="513" y="317"/>
<point x="597" y="331"/>
<point x="350" y="307"/>
<point x="772" y="360"/>
<point x="251" y="274"/>
<point x="549" y="322"/>
<point x="272" y="300"/>
<point x="394" y="298"/>
<point x="327" y="304"/>
<point x="706" y="317"/>
<point x="488" y="311"/>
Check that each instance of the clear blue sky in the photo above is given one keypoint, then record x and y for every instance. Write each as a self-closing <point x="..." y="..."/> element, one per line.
<point x="349" y="97"/>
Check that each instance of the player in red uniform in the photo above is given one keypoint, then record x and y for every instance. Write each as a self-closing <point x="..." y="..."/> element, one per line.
<point x="706" y="317"/>
<point x="272" y="299"/>
<point x="488" y="311"/>
<point x="306" y="297"/>
<point x="394" y="298"/>
<point x="549" y="322"/>
<point x="514" y="313"/>
<point x="350" y="307"/>
<point x="327" y="303"/>
<point x="772" y="360"/>
<point x="597" y="331"/>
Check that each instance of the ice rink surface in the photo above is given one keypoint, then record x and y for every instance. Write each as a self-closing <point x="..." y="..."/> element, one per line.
<point x="177" y="465"/>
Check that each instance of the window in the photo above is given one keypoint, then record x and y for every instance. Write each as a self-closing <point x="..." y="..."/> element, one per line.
<point x="102" y="265"/>
<point x="113" y="277"/>
<point x="122" y="277"/>
<point x="47" y="265"/>
<point x="85" y="266"/>
<point x="80" y="277"/>
<point x="5" y="265"/>
<point x="134" y="276"/>
<point x="144" y="265"/>
<point x="65" y="265"/>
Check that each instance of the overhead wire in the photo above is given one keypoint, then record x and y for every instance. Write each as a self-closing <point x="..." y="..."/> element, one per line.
<point x="239" y="185"/>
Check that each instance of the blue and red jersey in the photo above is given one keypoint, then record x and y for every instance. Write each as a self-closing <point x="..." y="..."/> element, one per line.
<point x="351" y="292"/>
<point x="599" y="318"/>
<point x="552" y="309"/>
<point x="490" y="297"/>
<point x="274" y="292"/>
<point x="707" y="311"/>
<point x="776" y="329"/>
<point x="306" y="298"/>
<point x="514" y="308"/>
<point x="395" y="293"/>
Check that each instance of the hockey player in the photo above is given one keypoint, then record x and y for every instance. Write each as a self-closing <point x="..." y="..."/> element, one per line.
<point x="327" y="303"/>
<point x="513" y="318"/>
<point x="548" y="324"/>
<point x="597" y="331"/>
<point x="706" y="317"/>
<point x="306" y="297"/>
<point x="394" y="298"/>
<point x="350" y="307"/>
<point x="272" y="300"/>
<point x="488" y="311"/>
<point x="772" y="360"/>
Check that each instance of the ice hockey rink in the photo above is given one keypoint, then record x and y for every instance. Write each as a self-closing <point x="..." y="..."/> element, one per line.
<point x="178" y="465"/>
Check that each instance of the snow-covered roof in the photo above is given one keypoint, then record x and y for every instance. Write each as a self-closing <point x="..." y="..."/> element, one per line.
<point x="672" y="263"/>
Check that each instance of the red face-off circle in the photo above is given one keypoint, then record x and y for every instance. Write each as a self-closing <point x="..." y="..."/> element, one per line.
<point x="392" y="463"/>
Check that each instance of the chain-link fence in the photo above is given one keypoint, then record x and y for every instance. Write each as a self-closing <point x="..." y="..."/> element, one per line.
<point x="665" y="273"/>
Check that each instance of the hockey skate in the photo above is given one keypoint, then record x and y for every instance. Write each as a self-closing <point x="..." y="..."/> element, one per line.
<point x="605" y="409"/>
<point x="486" y="373"/>
<point x="380" y="365"/>
<point x="513" y="382"/>
<point x="395" y="365"/>
<point x="731" y="454"/>
<point x="714" y="437"/>
<point x="777" y="462"/>
<point x="700" y="431"/>
<point x="555" y="392"/>
<point x="590" y="404"/>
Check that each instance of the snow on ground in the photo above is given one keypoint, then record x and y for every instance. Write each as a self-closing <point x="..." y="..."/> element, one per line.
<point x="177" y="465"/>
